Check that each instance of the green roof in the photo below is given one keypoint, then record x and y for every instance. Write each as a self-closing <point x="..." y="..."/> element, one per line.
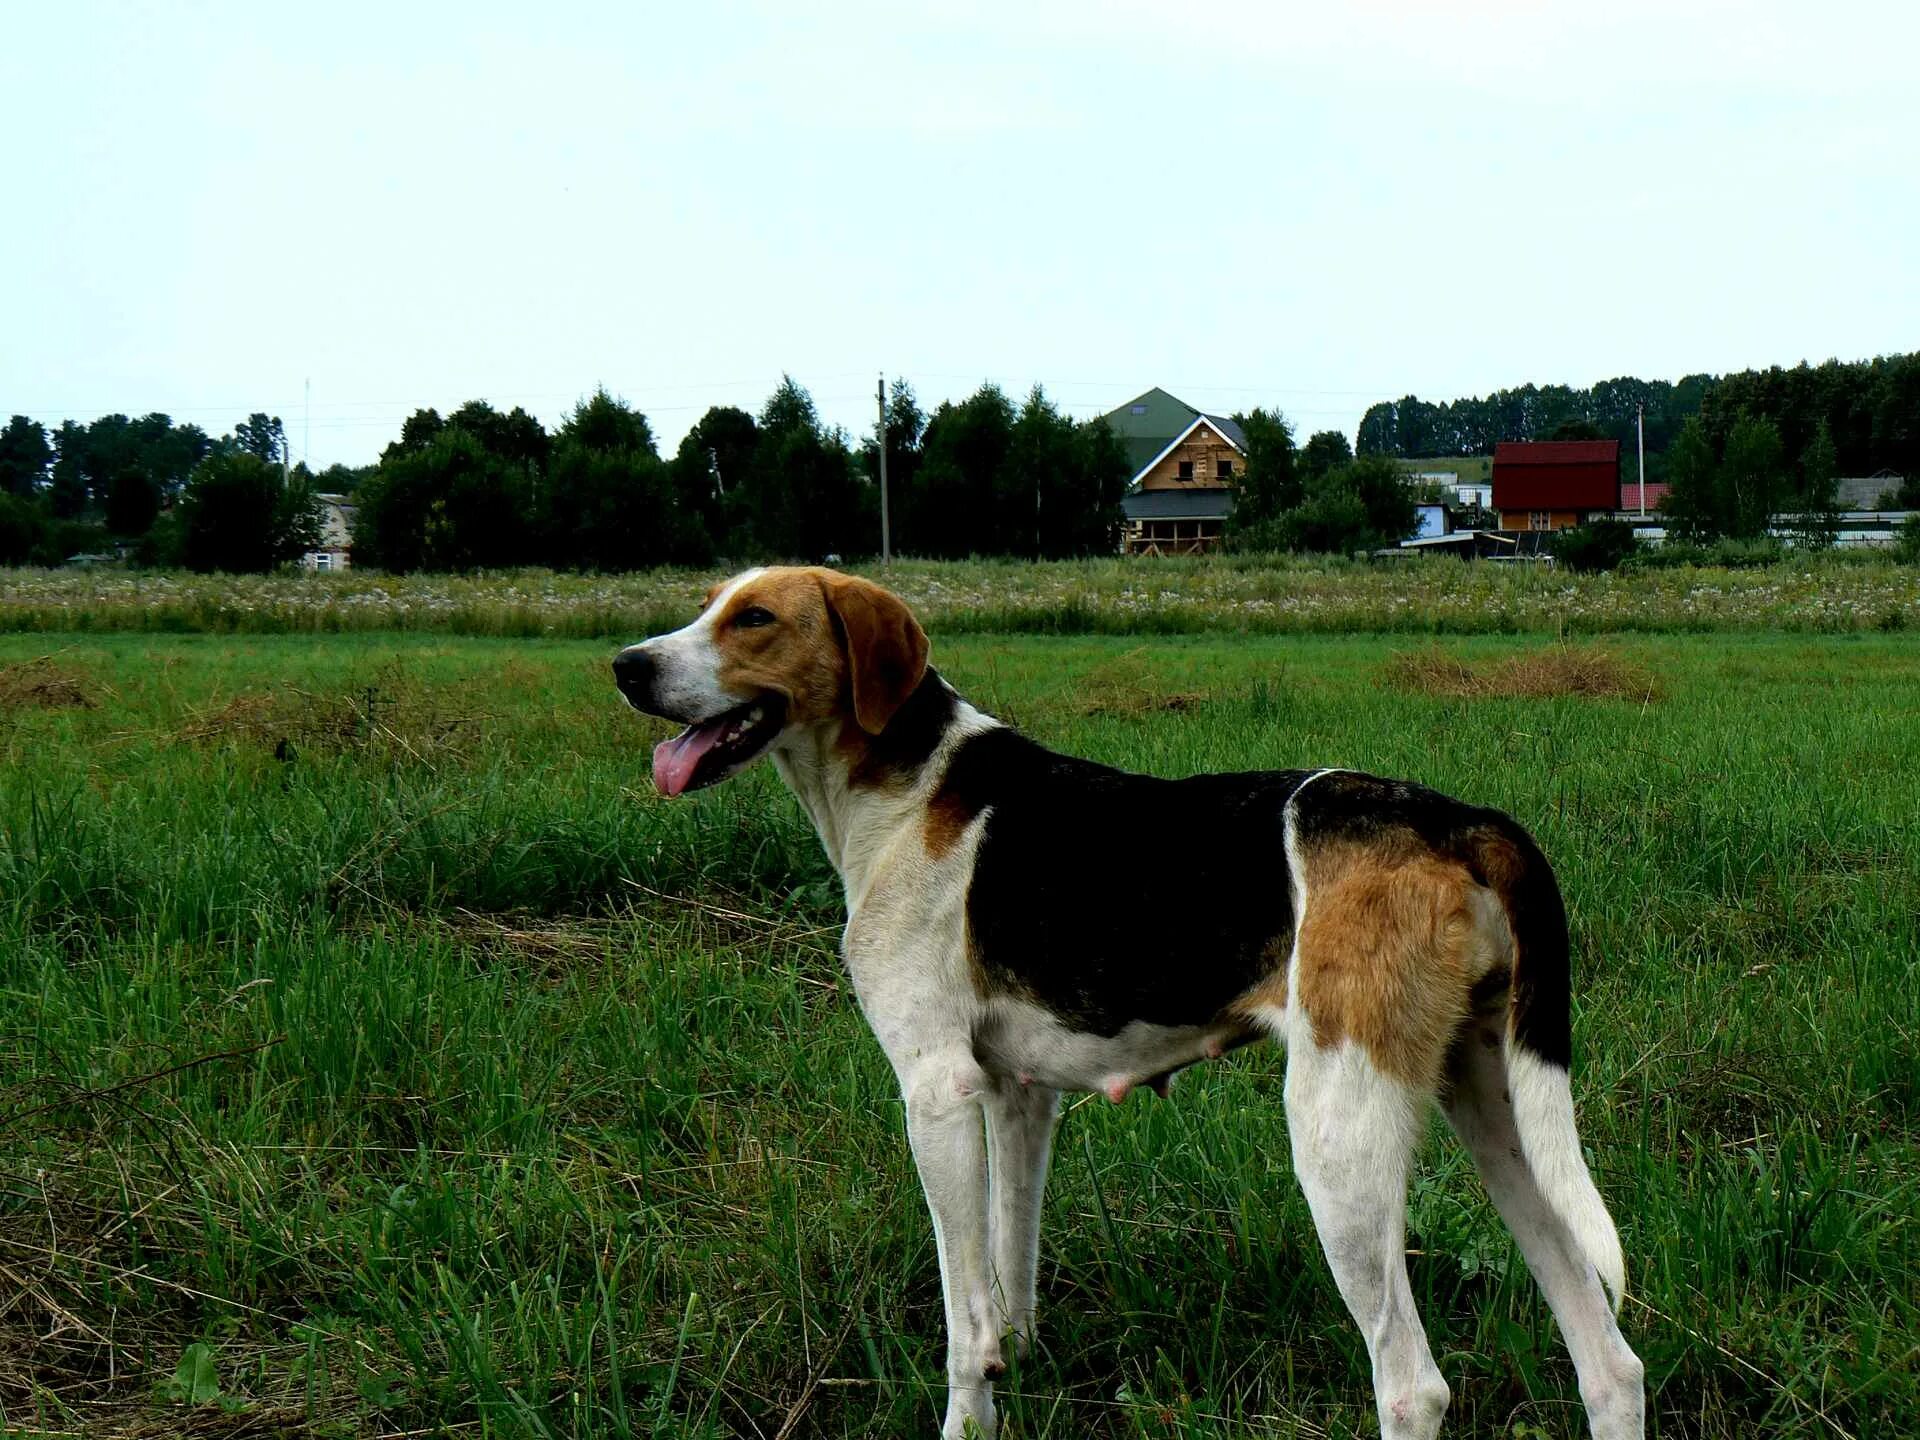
<point x="1150" y="422"/>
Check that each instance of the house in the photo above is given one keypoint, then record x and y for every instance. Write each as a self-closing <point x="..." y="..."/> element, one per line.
<point x="335" y="551"/>
<point x="1865" y="492"/>
<point x="1185" y="465"/>
<point x="1552" y="484"/>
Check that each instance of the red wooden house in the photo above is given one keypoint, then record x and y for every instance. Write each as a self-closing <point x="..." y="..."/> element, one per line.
<point x="1551" y="484"/>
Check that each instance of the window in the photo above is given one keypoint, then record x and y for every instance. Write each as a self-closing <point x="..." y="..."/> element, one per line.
<point x="1539" y="520"/>
<point x="1186" y="469"/>
<point x="1136" y="409"/>
<point x="323" y="561"/>
<point x="1224" y="469"/>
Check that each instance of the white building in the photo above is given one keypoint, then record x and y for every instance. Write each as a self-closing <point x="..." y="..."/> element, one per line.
<point x="335" y="551"/>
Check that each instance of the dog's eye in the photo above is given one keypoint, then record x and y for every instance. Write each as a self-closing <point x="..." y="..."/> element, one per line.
<point x="753" y="617"/>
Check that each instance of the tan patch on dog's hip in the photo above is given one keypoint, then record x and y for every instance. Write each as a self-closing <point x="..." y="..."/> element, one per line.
<point x="1390" y="947"/>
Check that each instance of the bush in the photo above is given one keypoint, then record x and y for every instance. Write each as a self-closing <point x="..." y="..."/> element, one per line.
<point x="1906" y="545"/>
<point x="1603" y="545"/>
<point x="23" y="529"/>
<point x="239" y="515"/>
<point x="1726" y="554"/>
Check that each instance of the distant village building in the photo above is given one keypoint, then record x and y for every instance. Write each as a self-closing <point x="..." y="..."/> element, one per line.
<point x="1553" y="484"/>
<point x="1631" y="498"/>
<point x="335" y="550"/>
<point x="1431" y="521"/>
<point x="1878" y="491"/>
<point x="1186" y="464"/>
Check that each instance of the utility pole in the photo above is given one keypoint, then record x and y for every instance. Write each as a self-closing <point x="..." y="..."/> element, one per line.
<point x="1640" y="429"/>
<point x="306" y="432"/>
<point x="886" y="527"/>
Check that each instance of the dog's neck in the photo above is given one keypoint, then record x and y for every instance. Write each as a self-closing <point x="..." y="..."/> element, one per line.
<point x="865" y="793"/>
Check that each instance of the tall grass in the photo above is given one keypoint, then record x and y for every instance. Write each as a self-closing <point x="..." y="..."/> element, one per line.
<point x="1173" y="596"/>
<point x="378" y="1055"/>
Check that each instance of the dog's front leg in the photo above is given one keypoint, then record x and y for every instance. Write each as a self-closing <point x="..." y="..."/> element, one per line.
<point x="944" y="1090"/>
<point x="1019" y="1140"/>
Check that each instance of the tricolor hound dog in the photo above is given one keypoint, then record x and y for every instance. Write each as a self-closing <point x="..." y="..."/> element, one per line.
<point x="1406" y="947"/>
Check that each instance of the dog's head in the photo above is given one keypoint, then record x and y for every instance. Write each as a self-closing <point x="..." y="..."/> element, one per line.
<point x="772" y="651"/>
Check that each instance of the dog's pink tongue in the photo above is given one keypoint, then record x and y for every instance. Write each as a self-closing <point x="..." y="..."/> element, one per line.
<point x="675" y="760"/>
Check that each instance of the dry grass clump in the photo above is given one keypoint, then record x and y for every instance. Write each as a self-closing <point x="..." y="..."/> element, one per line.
<point x="42" y="685"/>
<point x="1128" y="685"/>
<point x="392" y="708"/>
<point x="1583" y="671"/>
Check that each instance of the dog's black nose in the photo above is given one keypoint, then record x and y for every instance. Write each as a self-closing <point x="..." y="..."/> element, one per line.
<point x="633" y="673"/>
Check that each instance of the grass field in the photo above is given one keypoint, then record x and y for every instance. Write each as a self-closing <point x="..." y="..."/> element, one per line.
<point x="379" y="1056"/>
<point x="1836" y="593"/>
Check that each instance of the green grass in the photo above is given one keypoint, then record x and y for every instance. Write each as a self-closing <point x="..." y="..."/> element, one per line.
<point x="366" y="1020"/>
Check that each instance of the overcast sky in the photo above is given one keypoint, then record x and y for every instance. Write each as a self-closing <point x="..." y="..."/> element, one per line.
<point x="408" y="204"/>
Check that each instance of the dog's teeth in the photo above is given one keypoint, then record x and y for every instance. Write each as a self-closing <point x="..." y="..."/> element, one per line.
<point x="753" y="716"/>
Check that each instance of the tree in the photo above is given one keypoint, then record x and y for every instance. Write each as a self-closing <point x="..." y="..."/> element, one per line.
<point x="239" y="514"/>
<point x="1818" y="504"/>
<point x="25" y="455"/>
<point x="1358" y="506"/>
<point x="1272" y="481"/>
<point x="1752" y="480"/>
<point x="515" y="437"/>
<point x="804" y="496"/>
<point x="1385" y="497"/>
<point x="23" y="527"/>
<point x="67" y="490"/>
<point x="1577" y="430"/>
<point x="452" y="505"/>
<point x="1326" y="450"/>
<point x="1692" y="503"/>
<point x="609" y="500"/>
<point x="955" y="507"/>
<point x="263" y="437"/>
<point x="417" y="432"/>
<point x="709" y="470"/>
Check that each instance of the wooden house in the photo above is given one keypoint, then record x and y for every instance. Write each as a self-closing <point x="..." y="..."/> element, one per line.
<point x="1186" y="464"/>
<point x="1552" y="484"/>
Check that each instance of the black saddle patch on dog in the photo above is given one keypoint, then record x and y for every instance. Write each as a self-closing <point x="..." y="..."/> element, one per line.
<point x="1107" y="898"/>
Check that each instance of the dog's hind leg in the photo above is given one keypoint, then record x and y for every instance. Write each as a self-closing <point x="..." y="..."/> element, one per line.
<point x="1479" y="1107"/>
<point x="1019" y="1139"/>
<point x="1353" y="1129"/>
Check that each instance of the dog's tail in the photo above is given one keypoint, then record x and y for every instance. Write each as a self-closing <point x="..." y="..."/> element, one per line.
<point x="1539" y="1044"/>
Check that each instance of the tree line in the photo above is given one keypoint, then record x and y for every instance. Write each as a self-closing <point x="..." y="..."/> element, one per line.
<point x="986" y="475"/>
<point x="1869" y="411"/>
<point x="168" y="493"/>
<point x="483" y="488"/>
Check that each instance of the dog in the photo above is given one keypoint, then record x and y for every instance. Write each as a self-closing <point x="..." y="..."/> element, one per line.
<point x="1406" y="947"/>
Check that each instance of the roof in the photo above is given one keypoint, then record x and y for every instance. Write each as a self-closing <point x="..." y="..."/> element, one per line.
<point x="1863" y="492"/>
<point x="1178" y="504"/>
<point x="1152" y="420"/>
<point x="1556" y="475"/>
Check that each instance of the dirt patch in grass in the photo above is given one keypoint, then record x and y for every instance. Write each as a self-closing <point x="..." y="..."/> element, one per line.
<point x="1586" y="672"/>
<point x="43" y="685"/>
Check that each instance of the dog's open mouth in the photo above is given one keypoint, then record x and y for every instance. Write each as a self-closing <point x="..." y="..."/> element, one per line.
<point x="709" y="752"/>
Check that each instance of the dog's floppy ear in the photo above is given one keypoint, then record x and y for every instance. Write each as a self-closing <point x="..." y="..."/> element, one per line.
<point x="886" y="648"/>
